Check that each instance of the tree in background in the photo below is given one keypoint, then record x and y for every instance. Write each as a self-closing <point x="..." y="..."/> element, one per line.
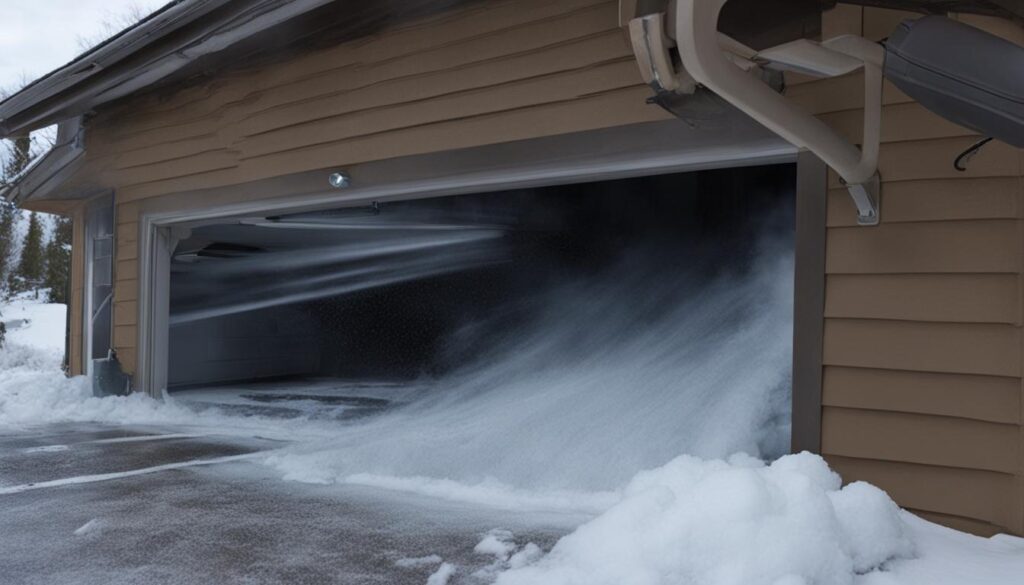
<point x="8" y="234"/>
<point x="114" y="22"/>
<point x="32" y="265"/>
<point x="15" y="155"/>
<point x="16" y="152"/>
<point x="58" y="261"/>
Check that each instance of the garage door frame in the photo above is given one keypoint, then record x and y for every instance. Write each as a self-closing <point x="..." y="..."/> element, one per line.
<point x="628" y="151"/>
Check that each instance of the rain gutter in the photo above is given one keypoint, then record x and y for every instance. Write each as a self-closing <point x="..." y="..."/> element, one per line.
<point x="170" y="39"/>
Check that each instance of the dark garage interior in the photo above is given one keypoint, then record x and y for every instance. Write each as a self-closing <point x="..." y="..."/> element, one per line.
<point x="411" y="289"/>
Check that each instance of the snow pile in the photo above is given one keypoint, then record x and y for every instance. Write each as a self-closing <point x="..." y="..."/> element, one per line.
<point x="602" y="383"/>
<point x="498" y="543"/>
<point x="442" y="575"/>
<point x="34" y="324"/>
<point x="34" y="390"/>
<point x="501" y="545"/>
<point x="949" y="557"/>
<point x="735" y="522"/>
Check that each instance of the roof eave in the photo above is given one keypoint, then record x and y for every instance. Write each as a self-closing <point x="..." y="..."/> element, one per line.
<point x="48" y="172"/>
<point x="164" y="43"/>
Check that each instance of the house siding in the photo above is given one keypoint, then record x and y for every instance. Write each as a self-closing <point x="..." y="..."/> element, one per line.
<point x="497" y="72"/>
<point x="922" y="370"/>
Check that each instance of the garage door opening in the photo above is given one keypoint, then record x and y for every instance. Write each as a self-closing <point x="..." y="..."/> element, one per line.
<point x="642" y="317"/>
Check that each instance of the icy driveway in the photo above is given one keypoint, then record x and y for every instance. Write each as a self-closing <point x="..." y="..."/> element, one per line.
<point x="82" y="502"/>
<point x="233" y="522"/>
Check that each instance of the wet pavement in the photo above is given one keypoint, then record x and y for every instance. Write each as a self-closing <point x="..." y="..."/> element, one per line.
<point x="87" y="504"/>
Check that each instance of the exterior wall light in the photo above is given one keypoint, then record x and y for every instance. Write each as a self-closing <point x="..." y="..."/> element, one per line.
<point x="340" y="180"/>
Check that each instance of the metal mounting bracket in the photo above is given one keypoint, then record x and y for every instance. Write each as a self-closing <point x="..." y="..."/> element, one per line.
<point x="865" y="198"/>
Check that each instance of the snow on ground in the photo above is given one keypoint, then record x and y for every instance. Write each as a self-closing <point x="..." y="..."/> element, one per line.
<point x="735" y="522"/>
<point x="692" y="521"/>
<point x="33" y="323"/>
<point x="34" y="389"/>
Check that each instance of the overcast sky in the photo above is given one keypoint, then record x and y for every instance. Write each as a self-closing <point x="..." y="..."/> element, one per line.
<point x="38" y="36"/>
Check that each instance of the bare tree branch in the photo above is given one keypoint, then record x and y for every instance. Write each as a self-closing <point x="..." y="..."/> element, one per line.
<point x="112" y="24"/>
<point x="17" y="152"/>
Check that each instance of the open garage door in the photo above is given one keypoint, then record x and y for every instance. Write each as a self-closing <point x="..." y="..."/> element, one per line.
<point x="343" y="312"/>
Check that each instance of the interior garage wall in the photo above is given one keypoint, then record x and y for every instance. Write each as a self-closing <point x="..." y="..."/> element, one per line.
<point x="246" y="346"/>
<point x="500" y="71"/>
<point x="922" y="334"/>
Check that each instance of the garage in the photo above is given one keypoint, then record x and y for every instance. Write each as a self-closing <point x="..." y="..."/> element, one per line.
<point x="362" y="310"/>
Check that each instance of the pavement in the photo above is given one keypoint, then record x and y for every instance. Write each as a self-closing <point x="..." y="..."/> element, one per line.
<point x="93" y="504"/>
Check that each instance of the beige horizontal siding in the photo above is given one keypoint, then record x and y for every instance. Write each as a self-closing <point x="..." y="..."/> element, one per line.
<point x="840" y="94"/>
<point x="537" y="69"/>
<point x="563" y="85"/>
<point x="983" y="497"/>
<point x="955" y="348"/>
<point x="990" y="246"/>
<point x="487" y="31"/>
<point x="498" y="71"/>
<point x="127" y="230"/>
<point x="986" y="398"/>
<point x="125" y="291"/>
<point x="601" y="110"/>
<point x="922" y="345"/>
<point x="898" y="122"/>
<point x="125" y="338"/>
<point x="570" y="42"/>
<point x="548" y="47"/>
<point x="127" y="250"/>
<point x="922" y="386"/>
<point x="911" y="160"/>
<point x="126" y="312"/>
<point x="920" y="438"/>
<point x="128" y="357"/>
<point x="936" y="200"/>
<point x="954" y="298"/>
<point x="879" y="23"/>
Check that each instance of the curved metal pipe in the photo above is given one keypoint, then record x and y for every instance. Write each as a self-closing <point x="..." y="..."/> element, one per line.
<point x="700" y="50"/>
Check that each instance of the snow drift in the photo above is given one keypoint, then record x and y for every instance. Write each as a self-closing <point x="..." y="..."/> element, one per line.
<point x="690" y="521"/>
<point x="735" y="522"/>
<point x="613" y="375"/>
<point x="34" y="390"/>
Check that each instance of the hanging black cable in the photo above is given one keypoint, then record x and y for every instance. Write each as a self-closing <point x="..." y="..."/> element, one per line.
<point x="965" y="157"/>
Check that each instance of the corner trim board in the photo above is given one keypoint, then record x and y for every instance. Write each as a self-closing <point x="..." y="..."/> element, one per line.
<point x="809" y="302"/>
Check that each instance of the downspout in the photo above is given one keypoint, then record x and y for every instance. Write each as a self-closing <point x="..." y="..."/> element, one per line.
<point x="735" y="74"/>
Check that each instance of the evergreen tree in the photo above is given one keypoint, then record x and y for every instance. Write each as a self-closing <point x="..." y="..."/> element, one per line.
<point x="18" y="156"/>
<point x="58" y="261"/>
<point x="15" y="155"/>
<point x="32" y="266"/>
<point x="8" y="225"/>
